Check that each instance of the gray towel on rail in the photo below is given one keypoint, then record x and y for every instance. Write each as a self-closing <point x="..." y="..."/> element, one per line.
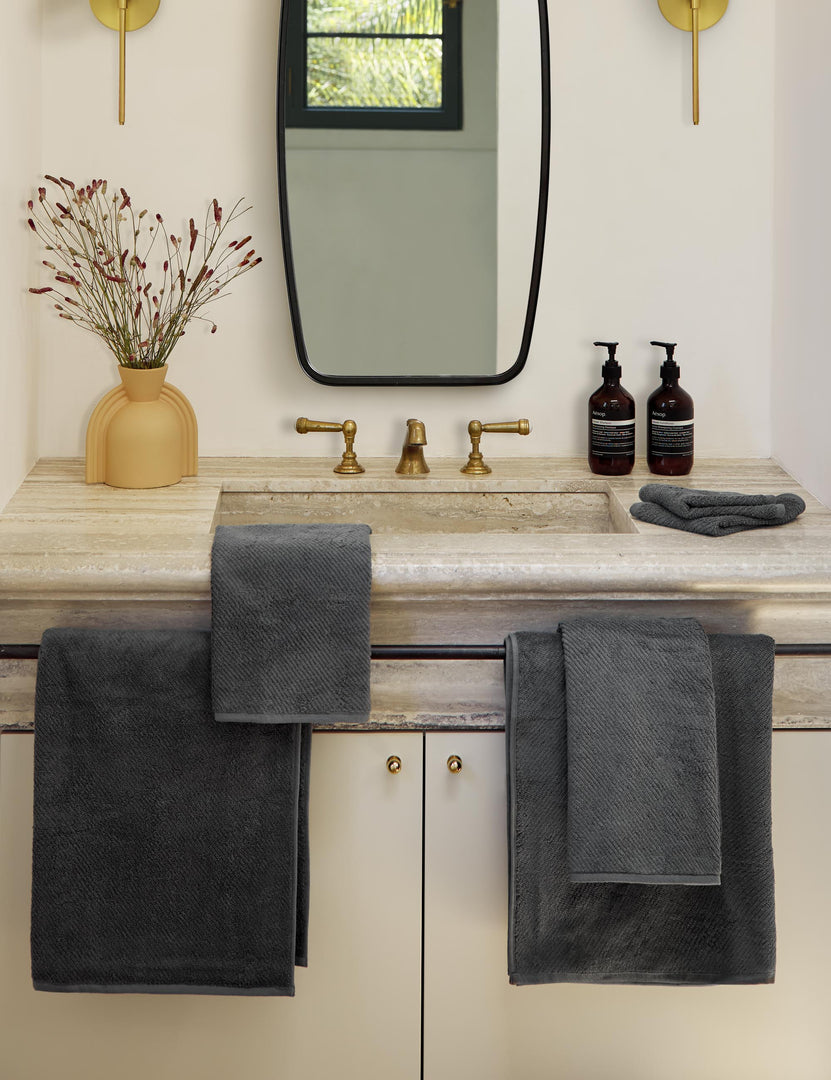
<point x="643" y="802"/>
<point x="713" y="513"/>
<point x="170" y="852"/>
<point x="290" y="623"/>
<point x="560" y="931"/>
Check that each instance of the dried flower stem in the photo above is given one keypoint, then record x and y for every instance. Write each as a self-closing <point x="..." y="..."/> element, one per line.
<point x="104" y="248"/>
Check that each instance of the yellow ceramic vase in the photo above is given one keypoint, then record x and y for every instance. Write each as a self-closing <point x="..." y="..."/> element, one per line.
<point x="144" y="438"/>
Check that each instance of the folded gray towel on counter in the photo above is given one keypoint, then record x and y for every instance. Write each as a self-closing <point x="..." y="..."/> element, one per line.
<point x="170" y="852"/>
<point x="713" y="513"/>
<point x="561" y="931"/>
<point x="290" y="623"/>
<point x="643" y="800"/>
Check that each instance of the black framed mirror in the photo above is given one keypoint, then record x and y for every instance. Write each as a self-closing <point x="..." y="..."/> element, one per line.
<point x="413" y="163"/>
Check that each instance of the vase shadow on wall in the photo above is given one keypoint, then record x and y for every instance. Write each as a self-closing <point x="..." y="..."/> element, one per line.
<point x="141" y="434"/>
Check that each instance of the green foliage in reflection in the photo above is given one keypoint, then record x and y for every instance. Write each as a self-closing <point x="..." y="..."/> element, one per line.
<point x="374" y="72"/>
<point x="374" y="16"/>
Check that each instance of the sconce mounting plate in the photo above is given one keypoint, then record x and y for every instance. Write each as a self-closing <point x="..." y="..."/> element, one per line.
<point x="679" y="13"/>
<point x="139" y="12"/>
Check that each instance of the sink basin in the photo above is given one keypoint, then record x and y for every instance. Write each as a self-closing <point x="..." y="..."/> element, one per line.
<point x="433" y="511"/>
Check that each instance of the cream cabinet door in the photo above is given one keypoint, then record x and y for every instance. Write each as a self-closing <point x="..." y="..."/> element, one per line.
<point x="356" y="1013"/>
<point x="477" y="1025"/>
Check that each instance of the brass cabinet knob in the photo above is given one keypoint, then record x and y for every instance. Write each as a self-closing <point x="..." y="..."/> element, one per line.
<point x="394" y="764"/>
<point x="454" y="763"/>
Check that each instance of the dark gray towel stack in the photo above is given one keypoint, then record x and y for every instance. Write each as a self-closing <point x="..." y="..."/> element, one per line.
<point x="561" y="931"/>
<point x="713" y="513"/>
<point x="170" y="852"/>
<point x="643" y="800"/>
<point x="290" y="623"/>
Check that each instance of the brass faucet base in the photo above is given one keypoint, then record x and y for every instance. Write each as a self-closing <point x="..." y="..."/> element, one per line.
<point x="349" y="466"/>
<point x="412" y="462"/>
<point x="476" y="466"/>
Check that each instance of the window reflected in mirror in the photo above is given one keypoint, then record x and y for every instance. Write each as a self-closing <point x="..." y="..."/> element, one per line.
<point x="373" y="63"/>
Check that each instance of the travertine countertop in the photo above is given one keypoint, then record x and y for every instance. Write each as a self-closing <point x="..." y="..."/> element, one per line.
<point x="59" y="536"/>
<point x="77" y="555"/>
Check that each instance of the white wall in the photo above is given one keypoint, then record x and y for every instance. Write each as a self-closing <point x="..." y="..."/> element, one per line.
<point x="657" y="229"/>
<point x="19" y="165"/>
<point x="802" y="368"/>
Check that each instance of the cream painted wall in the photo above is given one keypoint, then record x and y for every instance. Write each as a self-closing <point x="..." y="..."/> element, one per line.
<point x="19" y="162"/>
<point x="656" y="228"/>
<point x="801" y="424"/>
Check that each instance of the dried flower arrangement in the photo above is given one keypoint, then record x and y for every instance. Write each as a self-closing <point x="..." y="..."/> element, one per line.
<point x="101" y="249"/>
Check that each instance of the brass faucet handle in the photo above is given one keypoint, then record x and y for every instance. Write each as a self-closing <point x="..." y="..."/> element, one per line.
<point x="475" y="462"/>
<point x="513" y="427"/>
<point x="349" y="465"/>
<point x="304" y="426"/>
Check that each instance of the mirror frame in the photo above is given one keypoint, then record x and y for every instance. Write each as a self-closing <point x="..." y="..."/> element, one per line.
<point x="539" y="243"/>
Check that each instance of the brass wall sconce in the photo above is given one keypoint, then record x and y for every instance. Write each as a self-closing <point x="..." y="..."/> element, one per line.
<point x="693" y="15"/>
<point x="123" y="15"/>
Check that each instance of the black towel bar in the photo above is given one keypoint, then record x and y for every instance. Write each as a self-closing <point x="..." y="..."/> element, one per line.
<point x="437" y="652"/>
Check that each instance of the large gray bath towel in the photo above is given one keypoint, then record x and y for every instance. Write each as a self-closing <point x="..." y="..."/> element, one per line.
<point x="170" y="852"/>
<point x="560" y="931"/>
<point x="643" y="802"/>
<point x="290" y="623"/>
<point x="713" y="513"/>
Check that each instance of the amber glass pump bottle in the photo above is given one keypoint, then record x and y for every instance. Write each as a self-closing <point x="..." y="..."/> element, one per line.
<point x="611" y="421"/>
<point x="669" y="444"/>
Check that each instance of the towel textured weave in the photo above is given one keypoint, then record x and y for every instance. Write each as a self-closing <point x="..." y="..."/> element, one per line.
<point x="643" y="799"/>
<point x="170" y="852"/>
<point x="560" y="931"/>
<point x="713" y="513"/>
<point x="290" y="623"/>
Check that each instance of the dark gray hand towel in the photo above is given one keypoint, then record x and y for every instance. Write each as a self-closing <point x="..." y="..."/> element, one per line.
<point x="290" y="623"/>
<point x="170" y="852"/>
<point x="621" y="933"/>
<point x="643" y="802"/>
<point x="713" y="513"/>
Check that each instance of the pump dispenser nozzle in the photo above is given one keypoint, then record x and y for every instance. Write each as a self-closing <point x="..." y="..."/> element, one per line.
<point x="611" y="367"/>
<point x="669" y="368"/>
<point x="670" y="347"/>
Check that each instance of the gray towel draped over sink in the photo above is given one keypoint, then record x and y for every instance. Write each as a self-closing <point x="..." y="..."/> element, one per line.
<point x="290" y="623"/>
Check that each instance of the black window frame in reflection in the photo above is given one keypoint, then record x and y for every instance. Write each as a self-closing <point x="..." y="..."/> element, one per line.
<point x="536" y="262"/>
<point x="301" y="115"/>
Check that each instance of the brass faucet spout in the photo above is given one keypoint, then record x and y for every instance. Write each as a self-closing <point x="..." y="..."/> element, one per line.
<point x="411" y="462"/>
<point x="416" y="434"/>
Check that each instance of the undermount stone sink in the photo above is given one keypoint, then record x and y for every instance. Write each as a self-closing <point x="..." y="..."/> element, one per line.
<point x="433" y="511"/>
